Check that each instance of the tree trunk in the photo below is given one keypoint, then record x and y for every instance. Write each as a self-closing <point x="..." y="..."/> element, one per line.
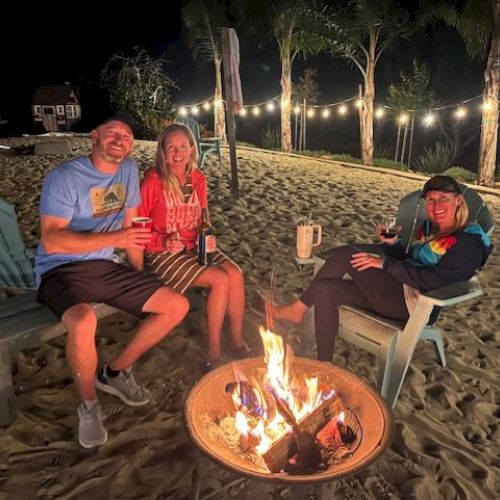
<point x="286" y="98"/>
<point x="403" y="147"/>
<point x="219" y="115"/>
<point x="410" y="149"/>
<point x="398" y="140"/>
<point x="491" y="94"/>
<point x="366" y="110"/>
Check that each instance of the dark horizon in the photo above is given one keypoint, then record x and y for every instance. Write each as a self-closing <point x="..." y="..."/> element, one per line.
<point x="78" y="59"/>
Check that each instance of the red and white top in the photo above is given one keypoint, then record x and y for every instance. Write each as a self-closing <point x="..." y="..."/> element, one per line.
<point x="172" y="218"/>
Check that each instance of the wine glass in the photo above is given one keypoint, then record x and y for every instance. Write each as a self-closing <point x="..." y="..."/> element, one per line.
<point x="389" y="228"/>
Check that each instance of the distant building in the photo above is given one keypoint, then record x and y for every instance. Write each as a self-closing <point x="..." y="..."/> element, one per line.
<point x="56" y="107"/>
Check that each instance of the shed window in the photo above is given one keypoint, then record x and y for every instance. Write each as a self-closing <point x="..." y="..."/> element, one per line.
<point x="38" y="110"/>
<point x="69" y="111"/>
<point x="60" y="110"/>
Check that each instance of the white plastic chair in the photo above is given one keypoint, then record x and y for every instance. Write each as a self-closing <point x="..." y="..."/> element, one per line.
<point x="393" y="342"/>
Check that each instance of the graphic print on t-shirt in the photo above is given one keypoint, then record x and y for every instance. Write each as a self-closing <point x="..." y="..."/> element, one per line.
<point x="107" y="200"/>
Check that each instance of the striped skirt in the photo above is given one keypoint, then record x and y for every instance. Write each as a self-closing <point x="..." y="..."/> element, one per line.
<point x="179" y="271"/>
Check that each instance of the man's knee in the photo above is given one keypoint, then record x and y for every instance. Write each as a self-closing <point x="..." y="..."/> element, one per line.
<point x="167" y="301"/>
<point x="80" y="318"/>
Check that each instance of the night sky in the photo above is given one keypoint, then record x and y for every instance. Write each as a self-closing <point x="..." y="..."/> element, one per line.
<point x="52" y="45"/>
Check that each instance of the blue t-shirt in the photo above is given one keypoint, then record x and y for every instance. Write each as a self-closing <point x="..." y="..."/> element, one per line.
<point x="93" y="202"/>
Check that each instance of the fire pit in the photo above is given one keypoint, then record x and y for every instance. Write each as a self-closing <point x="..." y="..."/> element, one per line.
<point x="209" y="403"/>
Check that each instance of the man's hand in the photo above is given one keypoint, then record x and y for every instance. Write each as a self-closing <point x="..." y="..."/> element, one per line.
<point x="133" y="237"/>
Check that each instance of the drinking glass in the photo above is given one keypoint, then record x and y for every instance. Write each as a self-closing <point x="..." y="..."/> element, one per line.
<point x="389" y="228"/>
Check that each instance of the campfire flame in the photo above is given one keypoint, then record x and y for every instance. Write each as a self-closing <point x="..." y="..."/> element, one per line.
<point x="257" y="417"/>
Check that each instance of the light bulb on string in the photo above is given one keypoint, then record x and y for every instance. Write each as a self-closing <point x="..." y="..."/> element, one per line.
<point x="429" y="119"/>
<point x="342" y="109"/>
<point x="243" y="112"/>
<point x="183" y="111"/>
<point x="256" y="111"/>
<point x="311" y="112"/>
<point x="206" y="105"/>
<point x="195" y="110"/>
<point x="325" y="113"/>
<point x="403" y="118"/>
<point x="296" y="110"/>
<point x="460" y="113"/>
<point x="270" y="106"/>
<point x="487" y="105"/>
<point x="359" y="103"/>
<point x="379" y="112"/>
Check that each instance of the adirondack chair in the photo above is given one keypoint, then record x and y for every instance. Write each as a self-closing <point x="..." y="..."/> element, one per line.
<point x="16" y="269"/>
<point x="207" y="145"/>
<point x="393" y="342"/>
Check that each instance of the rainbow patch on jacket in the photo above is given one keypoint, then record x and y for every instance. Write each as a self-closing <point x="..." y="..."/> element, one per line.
<point x="425" y="253"/>
<point x="443" y="244"/>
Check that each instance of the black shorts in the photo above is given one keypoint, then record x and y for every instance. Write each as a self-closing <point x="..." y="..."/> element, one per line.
<point x="97" y="281"/>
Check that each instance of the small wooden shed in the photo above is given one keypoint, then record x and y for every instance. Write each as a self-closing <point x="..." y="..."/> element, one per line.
<point x="56" y="107"/>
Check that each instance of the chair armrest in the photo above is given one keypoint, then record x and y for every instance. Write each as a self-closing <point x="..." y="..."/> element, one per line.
<point x="454" y="294"/>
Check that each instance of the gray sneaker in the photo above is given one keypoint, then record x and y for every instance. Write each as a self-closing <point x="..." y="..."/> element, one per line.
<point x="123" y="386"/>
<point x="91" y="431"/>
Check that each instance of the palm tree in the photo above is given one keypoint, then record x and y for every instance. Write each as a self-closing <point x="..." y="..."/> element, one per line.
<point x="204" y="20"/>
<point x="295" y="25"/>
<point x="478" y="23"/>
<point x="363" y="30"/>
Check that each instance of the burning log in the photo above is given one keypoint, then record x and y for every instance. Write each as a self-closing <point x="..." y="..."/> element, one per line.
<point x="277" y="457"/>
<point x="335" y="433"/>
<point x="308" y="457"/>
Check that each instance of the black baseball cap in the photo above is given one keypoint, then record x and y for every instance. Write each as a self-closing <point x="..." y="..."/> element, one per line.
<point x="121" y="117"/>
<point x="441" y="183"/>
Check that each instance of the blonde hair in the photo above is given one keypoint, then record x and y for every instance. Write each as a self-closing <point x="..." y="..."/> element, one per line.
<point x="164" y="170"/>
<point x="462" y="214"/>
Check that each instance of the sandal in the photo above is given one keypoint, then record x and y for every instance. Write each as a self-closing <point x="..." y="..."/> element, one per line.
<point x="241" y="353"/>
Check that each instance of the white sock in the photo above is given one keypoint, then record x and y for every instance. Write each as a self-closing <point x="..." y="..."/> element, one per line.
<point x="89" y="403"/>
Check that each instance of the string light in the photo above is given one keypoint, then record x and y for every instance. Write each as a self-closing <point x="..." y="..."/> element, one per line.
<point x="429" y="119"/>
<point x="341" y="107"/>
<point x="460" y="113"/>
<point x="403" y="118"/>
<point x="487" y="105"/>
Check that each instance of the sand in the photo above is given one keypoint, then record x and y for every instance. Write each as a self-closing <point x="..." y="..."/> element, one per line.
<point x="447" y="442"/>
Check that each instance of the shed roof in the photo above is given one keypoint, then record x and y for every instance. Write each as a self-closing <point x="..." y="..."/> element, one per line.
<point x="55" y="94"/>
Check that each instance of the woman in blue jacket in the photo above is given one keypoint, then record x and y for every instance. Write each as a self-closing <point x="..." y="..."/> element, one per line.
<point x="448" y="251"/>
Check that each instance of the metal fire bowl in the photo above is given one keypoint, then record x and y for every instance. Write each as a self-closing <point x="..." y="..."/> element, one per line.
<point x="207" y="401"/>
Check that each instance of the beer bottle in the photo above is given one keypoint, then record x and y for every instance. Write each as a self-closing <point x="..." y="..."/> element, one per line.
<point x="204" y="257"/>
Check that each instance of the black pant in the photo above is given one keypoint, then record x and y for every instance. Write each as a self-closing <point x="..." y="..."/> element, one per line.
<point x="372" y="290"/>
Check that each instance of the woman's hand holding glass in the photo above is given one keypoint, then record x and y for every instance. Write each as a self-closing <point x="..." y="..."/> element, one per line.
<point x="173" y="244"/>
<point x="387" y="231"/>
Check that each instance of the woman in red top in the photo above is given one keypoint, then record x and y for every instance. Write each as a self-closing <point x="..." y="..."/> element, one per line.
<point x="173" y="193"/>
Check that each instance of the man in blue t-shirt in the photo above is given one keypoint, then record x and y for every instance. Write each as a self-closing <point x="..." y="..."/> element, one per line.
<point x="87" y="206"/>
